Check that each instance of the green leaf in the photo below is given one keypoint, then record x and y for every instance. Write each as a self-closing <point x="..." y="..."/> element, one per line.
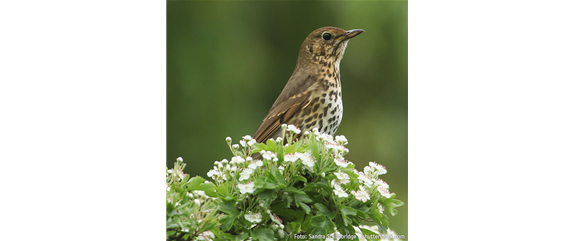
<point x="316" y="150"/>
<point x="208" y="188"/>
<point x="369" y="233"/>
<point x="390" y="204"/>
<point x="270" y="145"/>
<point x="305" y="207"/>
<point x="302" y="198"/>
<point x="294" y="190"/>
<point x="267" y="196"/>
<point x="229" y="208"/>
<point x="322" y="225"/>
<point x="323" y="210"/>
<point x="226" y="222"/>
<point x="278" y="176"/>
<point x="290" y="149"/>
<point x="239" y="237"/>
<point x="299" y="178"/>
<point x="259" y="147"/>
<point x="194" y="182"/>
<point x="263" y="234"/>
<point x="348" y="211"/>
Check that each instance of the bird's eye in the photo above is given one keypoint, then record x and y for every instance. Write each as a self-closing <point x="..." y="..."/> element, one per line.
<point x="326" y="36"/>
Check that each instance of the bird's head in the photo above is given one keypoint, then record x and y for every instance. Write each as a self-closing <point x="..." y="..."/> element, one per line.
<point x="326" y="45"/>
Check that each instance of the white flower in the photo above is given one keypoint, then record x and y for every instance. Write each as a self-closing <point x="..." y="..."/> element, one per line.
<point x="339" y="191"/>
<point x="361" y="195"/>
<point x="242" y="142"/>
<point x="279" y="140"/>
<point x="342" y="177"/>
<point x="179" y="159"/>
<point x="380" y="169"/>
<point x="213" y="172"/>
<point x="228" y="139"/>
<point x="325" y="137"/>
<point x="247" y="138"/>
<point x="341" y="140"/>
<point x="245" y="174"/>
<point x="224" y="161"/>
<point x="251" y="142"/>
<point x="238" y="159"/>
<point x="381" y="183"/>
<point x="365" y="179"/>
<point x="369" y="170"/>
<point x="235" y="146"/>
<point x="384" y="192"/>
<point x="254" y="218"/>
<point x="249" y="159"/>
<point x="316" y="131"/>
<point x="256" y="164"/>
<point x="307" y="159"/>
<point x="293" y="129"/>
<point x="281" y="168"/>
<point x="246" y="188"/>
<point x="267" y="155"/>
<point x="291" y="157"/>
<point x="341" y="162"/>
<point x="207" y="235"/>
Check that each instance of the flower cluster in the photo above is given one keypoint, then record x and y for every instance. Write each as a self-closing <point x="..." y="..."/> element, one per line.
<point x="307" y="182"/>
<point x="191" y="208"/>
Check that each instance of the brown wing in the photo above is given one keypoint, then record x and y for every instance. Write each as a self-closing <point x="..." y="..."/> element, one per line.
<point x="281" y="113"/>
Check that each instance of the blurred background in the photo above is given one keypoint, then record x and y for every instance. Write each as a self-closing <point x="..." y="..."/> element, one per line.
<point x="228" y="61"/>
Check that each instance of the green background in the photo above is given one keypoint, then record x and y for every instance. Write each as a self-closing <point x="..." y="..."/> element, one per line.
<point x="228" y="61"/>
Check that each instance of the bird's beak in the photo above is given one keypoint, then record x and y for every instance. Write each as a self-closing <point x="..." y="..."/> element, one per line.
<point x="353" y="33"/>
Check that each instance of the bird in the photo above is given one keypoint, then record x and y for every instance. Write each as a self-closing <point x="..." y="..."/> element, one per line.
<point x="312" y="97"/>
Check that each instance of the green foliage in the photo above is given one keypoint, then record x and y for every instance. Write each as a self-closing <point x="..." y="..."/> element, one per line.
<point x="303" y="188"/>
<point x="190" y="209"/>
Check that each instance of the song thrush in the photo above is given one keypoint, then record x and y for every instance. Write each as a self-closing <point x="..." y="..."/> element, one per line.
<point x="312" y="97"/>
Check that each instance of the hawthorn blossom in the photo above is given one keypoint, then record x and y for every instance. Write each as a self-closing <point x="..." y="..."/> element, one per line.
<point x="237" y="159"/>
<point x="254" y="218"/>
<point x="342" y="140"/>
<point x="380" y="169"/>
<point x="245" y="174"/>
<point x="207" y="235"/>
<point x="291" y="157"/>
<point x="293" y="128"/>
<point x="246" y="188"/>
<point x="381" y="183"/>
<point x="342" y="177"/>
<point x="361" y="195"/>
<point x="341" y="162"/>
<point x="256" y="164"/>
<point x="267" y="155"/>
<point x="213" y="173"/>
<point x="308" y="160"/>
<point x="339" y="191"/>
<point x="384" y="192"/>
<point x="365" y="179"/>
